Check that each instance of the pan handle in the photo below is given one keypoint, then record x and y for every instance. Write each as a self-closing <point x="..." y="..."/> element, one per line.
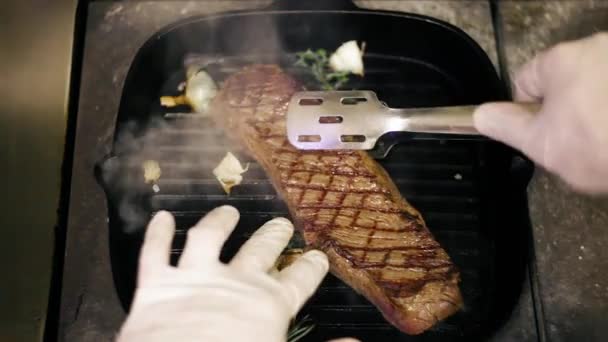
<point x="326" y="5"/>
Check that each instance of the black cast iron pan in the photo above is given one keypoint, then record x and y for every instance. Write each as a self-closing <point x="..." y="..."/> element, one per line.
<point x="471" y="192"/>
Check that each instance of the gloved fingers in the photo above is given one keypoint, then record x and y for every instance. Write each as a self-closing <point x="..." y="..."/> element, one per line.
<point x="261" y="251"/>
<point x="506" y="122"/>
<point x="155" y="251"/>
<point x="301" y="279"/>
<point x="206" y="238"/>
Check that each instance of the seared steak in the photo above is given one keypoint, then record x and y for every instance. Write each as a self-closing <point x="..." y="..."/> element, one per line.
<point x="344" y="204"/>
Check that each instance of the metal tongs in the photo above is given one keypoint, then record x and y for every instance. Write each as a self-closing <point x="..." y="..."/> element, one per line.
<point x="355" y="120"/>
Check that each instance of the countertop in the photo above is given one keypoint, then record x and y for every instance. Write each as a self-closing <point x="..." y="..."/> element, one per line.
<point x="570" y="293"/>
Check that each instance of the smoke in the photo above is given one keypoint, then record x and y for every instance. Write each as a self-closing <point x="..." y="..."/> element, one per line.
<point x="186" y="146"/>
<point x="186" y="152"/>
<point x="122" y="174"/>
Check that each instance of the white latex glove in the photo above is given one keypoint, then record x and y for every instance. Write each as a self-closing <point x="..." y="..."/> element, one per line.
<point x="203" y="299"/>
<point x="569" y="136"/>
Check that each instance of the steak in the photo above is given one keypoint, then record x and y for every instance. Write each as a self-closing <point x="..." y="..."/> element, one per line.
<point x="344" y="204"/>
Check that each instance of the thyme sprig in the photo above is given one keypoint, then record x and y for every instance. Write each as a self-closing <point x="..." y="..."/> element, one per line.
<point x="318" y="63"/>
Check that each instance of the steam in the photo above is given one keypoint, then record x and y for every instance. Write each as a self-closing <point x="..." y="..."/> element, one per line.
<point x="186" y="151"/>
<point x="187" y="147"/>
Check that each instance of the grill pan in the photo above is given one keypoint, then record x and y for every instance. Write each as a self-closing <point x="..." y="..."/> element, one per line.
<point x="471" y="192"/>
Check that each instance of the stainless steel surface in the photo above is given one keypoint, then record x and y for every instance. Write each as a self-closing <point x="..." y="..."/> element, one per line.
<point x="330" y="120"/>
<point x="446" y="120"/>
<point x="359" y="115"/>
<point x="36" y="61"/>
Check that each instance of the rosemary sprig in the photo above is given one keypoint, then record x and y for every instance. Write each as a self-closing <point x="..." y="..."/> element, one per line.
<point x="299" y="329"/>
<point x="318" y="63"/>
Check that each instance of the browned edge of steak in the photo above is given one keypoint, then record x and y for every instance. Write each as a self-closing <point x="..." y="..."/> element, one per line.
<point x="251" y="107"/>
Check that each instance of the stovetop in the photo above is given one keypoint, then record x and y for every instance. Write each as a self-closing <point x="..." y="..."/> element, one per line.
<point x="90" y="309"/>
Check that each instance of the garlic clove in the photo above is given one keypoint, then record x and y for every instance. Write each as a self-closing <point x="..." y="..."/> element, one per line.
<point x="348" y="57"/>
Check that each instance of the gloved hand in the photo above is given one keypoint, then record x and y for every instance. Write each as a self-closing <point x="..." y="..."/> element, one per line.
<point x="569" y="136"/>
<point x="203" y="299"/>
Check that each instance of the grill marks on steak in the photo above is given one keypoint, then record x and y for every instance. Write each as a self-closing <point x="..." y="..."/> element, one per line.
<point x="345" y="204"/>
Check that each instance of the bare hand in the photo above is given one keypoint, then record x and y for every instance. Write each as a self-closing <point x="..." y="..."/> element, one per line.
<point x="569" y="136"/>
